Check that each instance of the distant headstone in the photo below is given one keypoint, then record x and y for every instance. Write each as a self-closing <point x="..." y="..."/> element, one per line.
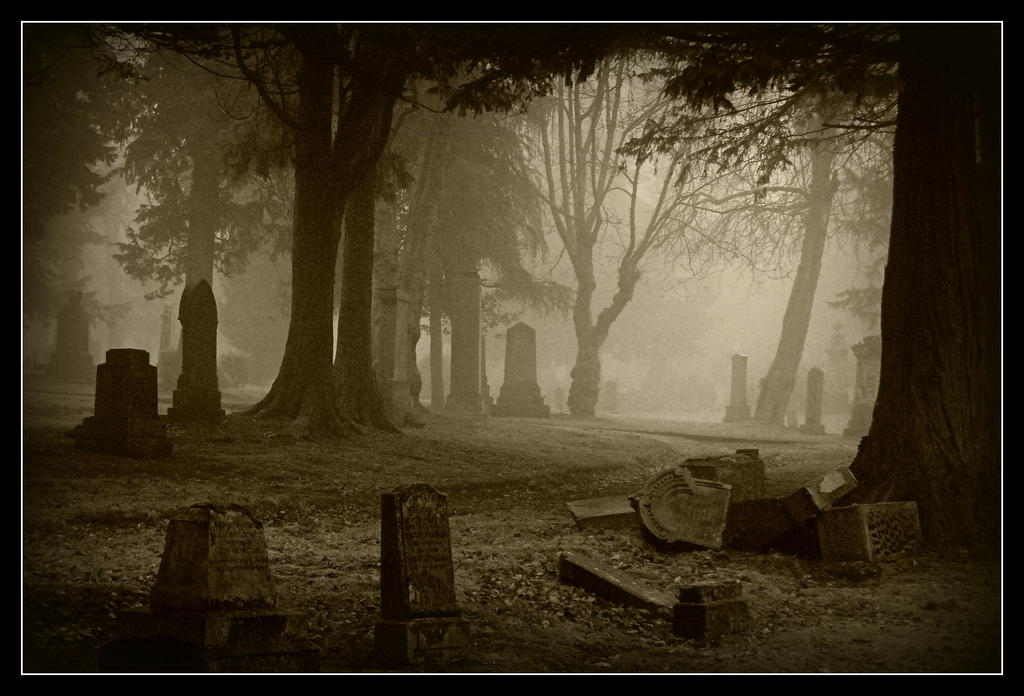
<point x="877" y="532"/>
<point x="676" y="507"/>
<point x="812" y="411"/>
<point x="212" y="605"/>
<point x="738" y="408"/>
<point x="520" y="394"/>
<point x="71" y="358"/>
<point x="197" y="398"/>
<point x="869" y="361"/>
<point x="420" y="620"/>
<point x="126" y="419"/>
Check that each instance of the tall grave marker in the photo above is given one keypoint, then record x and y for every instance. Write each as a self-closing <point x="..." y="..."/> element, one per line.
<point x="197" y="398"/>
<point x="520" y="394"/>
<point x="738" y="408"/>
<point x="812" y="411"/>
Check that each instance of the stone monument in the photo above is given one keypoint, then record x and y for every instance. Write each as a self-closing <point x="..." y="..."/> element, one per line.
<point x="674" y="507"/>
<point x="869" y="362"/>
<point x="197" y="398"/>
<point x="738" y="408"/>
<point x="126" y="419"/>
<point x="520" y="393"/>
<point x="465" y="359"/>
<point x="420" y="620"/>
<point x="812" y="411"/>
<point x="212" y="606"/>
<point x="71" y="358"/>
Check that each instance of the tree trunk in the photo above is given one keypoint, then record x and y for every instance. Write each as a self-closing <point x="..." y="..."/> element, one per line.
<point x="777" y="386"/>
<point x="934" y="435"/>
<point x="437" y="388"/>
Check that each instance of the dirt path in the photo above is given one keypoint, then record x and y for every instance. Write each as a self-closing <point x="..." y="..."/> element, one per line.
<point x="93" y="531"/>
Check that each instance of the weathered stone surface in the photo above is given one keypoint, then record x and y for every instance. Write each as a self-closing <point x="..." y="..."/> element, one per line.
<point x="197" y="398"/>
<point x="611" y="584"/>
<point x="419" y="614"/>
<point x="738" y="408"/>
<point x="126" y="420"/>
<point x="869" y="362"/>
<point x="613" y="512"/>
<point x="812" y="410"/>
<point x="812" y="498"/>
<point x="710" y="591"/>
<point x="877" y="532"/>
<point x="520" y="393"/>
<point x="676" y="507"/>
<point x="743" y="471"/>
<point x="706" y="622"/>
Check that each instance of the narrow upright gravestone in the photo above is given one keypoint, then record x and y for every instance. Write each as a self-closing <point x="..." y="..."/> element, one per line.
<point x="812" y="413"/>
<point x="197" y="398"/>
<point x="126" y="420"/>
<point x="212" y="605"/>
<point x="869" y="362"/>
<point x="520" y="394"/>
<point x="738" y="408"/>
<point x="420" y="620"/>
<point x="71" y="358"/>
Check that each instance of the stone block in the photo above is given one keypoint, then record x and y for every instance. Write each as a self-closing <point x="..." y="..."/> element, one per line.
<point x="676" y="507"/>
<point x="424" y="640"/>
<point x="877" y="532"/>
<point x="743" y="472"/>
<point x="613" y="512"/>
<point x="711" y="620"/>
<point x="820" y="494"/>
<point x="710" y="591"/>
<point x="610" y="584"/>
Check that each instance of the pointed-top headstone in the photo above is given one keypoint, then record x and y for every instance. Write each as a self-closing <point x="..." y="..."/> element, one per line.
<point x="520" y="394"/>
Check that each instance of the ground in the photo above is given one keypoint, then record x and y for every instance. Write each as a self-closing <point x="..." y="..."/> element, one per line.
<point x="93" y="528"/>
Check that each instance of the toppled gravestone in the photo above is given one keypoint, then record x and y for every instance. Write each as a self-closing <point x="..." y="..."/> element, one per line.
<point x="420" y="619"/>
<point x="743" y="471"/>
<point x="212" y="605"/>
<point x="876" y="532"/>
<point x="679" y="510"/>
<point x="708" y="610"/>
<point x="611" y="512"/>
<point x="610" y="583"/>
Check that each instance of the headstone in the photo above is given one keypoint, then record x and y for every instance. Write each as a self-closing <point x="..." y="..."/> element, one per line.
<point x="743" y="471"/>
<point x="197" y="398"/>
<point x="520" y="393"/>
<point x="420" y="620"/>
<point x="126" y="419"/>
<point x="169" y="358"/>
<point x="877" y="532"/>
<point x="869" y="361"/>
<point x="71" y="358"/>
<point x="465" y="344"/>
<point x="212" y="606"/>
<point x="708" y="610"/>
<point x="812" y="411"/>
<point x="610" y="583"/>
<point x="611" y="512"/>
<point x="738" y="408"/>
<point x="676" y="507"/>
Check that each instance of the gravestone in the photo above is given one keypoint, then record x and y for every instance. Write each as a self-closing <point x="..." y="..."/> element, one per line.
<point x="197" y="398"/>
<point x="465" y="344"/>
<point x="743" y="471"/>
<point x="420" y="619"/>
<point x="520" y="394"/>
<point x="869" y="362"/>
<point x="876" y="532"/>
<point x="126" y="419"/>
<point x="709" y="610"/>
<point x="812" y="411"/>
<point x="611" y="584"/>
<point x="71" y="358"/>
<point x="676" y="508"/>
<point x="610" y="512"/>
<point x="212" y="605"/>
<point x="738" y="408"/>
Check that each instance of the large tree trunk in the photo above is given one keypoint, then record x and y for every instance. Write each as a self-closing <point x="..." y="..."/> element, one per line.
<point x="935" y="436"/>
<point x="777" y="386"/>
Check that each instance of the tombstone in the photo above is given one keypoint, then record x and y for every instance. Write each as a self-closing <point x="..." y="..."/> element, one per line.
<point x="169" y="358"/>
<point x="877" y="532"/>
<point x="812" y="411"/>
<point x="743" y="471"/>
<point x="126" y="419"/>
<point x="738" y="408"/>
<point x="869" y="362"/>
<point x="420" y="620"/>
<point x="391" y="352"/>
<point x="611" y="584"/>
<point x="465" y="344"/>
<point x="197" y="398"/>
<point x="559" y="397"/>
<point x="610" y="512"/>
<point x="212" y="605"/>
<point x="71" y="358"/>
<point x="520" y="393"/>
<point x="678" y="509"/>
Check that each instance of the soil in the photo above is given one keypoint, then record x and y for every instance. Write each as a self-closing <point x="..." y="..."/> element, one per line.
<point x="93" y="528"/>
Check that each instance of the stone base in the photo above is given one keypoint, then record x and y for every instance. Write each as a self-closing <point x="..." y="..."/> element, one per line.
<point x="734" y="414"/>
<point x="710" y="620"/>
<point x="136" y="438"/>
<point x="812" y="429"/>
<point x="429" y="640"/>
<point x="196" y="406"/>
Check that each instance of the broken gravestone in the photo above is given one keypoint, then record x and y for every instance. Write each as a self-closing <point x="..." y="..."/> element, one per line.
<point x="744" y="471"/>
<point x="520" y="394"/>
<point x="708" y="610"/>
<point x="610" y="583"/>
<point x="876" y="532"/>
<point x="674" y="507"/>
<point x="420" y="620"/>
<point x="611" y="512"/>
<point x="126" y="419"/>
<point x="71" y="358"/>
<point x="212" y="606"/>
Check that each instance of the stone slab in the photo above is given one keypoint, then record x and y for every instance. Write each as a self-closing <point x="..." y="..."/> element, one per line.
<point x="877" y="532"/>
<point x="610" y="583"/>
<point x="744" y="473"/>
<point x="424" y="640"/>
<point x="820" y="494"/>
<point x="612" y="512"/>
